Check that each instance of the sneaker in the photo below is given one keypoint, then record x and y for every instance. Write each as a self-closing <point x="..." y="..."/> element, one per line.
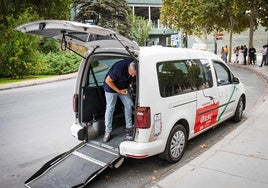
<point x="107" y="137"/>
<point x="130" y="129"/>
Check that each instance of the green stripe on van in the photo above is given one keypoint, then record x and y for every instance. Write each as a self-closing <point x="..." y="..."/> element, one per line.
<point x="231" y="96"/>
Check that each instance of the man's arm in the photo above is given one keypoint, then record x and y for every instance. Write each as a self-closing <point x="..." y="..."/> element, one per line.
<point x="110" y="83"/>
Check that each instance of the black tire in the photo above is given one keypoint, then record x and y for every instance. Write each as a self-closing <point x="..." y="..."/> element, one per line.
<point x="239" y="111"/>
<point x="176" y="144"/>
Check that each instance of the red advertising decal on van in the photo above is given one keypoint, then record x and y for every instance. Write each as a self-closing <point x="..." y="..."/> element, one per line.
<point x="206" y="116"/>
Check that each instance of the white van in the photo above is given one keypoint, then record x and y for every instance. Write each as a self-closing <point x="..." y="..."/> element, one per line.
<point x="178" y="93"/>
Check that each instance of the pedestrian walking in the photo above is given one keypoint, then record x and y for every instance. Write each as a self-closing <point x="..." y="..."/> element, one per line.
<point x="236" y="51"/>
<point x="264" y="54"/>
<point x="226" y="50"/>
<point x="241" y="55"/>
<point x="222" y="53"/>
<point x="245" y="53"/>
<point x="252" y="55"/>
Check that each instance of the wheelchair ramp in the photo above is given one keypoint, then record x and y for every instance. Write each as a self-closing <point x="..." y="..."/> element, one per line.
<point x="74" y="168"/>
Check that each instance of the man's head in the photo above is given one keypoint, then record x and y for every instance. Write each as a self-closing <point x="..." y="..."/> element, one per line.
<point x="132" y="69"/>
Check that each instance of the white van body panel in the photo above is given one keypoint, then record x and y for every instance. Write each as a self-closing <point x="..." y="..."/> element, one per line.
<point x="180" y="107"/>
<point x="149" y="91"/>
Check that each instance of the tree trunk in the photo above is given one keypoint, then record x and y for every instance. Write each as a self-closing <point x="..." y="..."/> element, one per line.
<point x="231" y="39"/>
<point x="251" y="32"/>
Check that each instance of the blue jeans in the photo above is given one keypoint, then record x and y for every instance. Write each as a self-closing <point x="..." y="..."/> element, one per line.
<point x="111" y="99"/>
<point x="225" y="57"/>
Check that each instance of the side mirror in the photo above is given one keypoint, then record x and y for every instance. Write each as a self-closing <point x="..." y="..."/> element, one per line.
<point x="236" y="80"/>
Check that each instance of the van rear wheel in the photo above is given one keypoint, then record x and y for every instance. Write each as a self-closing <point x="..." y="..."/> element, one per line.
<point x="239" y="111"/>
<point x="176" y="144"/>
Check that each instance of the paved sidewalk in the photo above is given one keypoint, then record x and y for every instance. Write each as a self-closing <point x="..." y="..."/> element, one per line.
<point x="238" y="160"/>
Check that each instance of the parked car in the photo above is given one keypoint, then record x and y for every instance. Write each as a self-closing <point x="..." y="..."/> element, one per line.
<point x="178" y="93"/>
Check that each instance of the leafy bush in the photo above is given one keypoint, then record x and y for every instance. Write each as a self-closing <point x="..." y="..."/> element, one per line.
<point x="47" y="45"/>
<point x="23" y="55"/>
<point x="59" y="63"/>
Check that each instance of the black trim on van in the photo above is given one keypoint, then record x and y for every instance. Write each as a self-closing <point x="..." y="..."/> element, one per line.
<point x="216" y="107"/>
<point x="175" y="106"/>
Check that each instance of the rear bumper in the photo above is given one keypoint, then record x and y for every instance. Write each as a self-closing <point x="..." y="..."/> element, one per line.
<point x="142" y="150"/>
<point x="78" y="132"/>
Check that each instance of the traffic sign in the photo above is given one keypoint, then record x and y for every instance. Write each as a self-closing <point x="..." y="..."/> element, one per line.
<point x="219" y="35"/>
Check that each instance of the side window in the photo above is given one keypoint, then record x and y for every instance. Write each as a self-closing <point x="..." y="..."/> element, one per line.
<point x="100" y="68"/>
<point x="222" y="74"/>
<point x="207" y="73"/>
<point x="178" y="77"/>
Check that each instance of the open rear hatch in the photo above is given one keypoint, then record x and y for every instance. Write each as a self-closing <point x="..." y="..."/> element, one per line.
<point x="86" y="35"/>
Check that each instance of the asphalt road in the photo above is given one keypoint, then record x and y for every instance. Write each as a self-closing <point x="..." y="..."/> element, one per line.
<point x="35" y="126"/>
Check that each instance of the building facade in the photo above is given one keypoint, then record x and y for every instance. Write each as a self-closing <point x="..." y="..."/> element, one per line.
<point x="150" y="10"/>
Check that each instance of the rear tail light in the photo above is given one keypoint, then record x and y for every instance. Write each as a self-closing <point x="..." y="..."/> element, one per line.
<point x="75" y="103"/>
<point x="143" y="118"/>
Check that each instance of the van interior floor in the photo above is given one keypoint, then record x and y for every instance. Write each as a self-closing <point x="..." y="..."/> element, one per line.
<point x="117" y="136"/>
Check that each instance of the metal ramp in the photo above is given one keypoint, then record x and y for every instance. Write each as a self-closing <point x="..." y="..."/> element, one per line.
<point x="76" y="167"/>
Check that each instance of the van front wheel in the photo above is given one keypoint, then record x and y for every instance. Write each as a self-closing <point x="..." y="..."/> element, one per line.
<point x="239" y="111"/>
<point x="176" y="144"/>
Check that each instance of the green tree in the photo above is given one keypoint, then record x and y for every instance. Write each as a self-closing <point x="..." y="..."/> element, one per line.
<point x="19" y="56"/>
<point x="140" y="29"/>
<point x="243" y="15"/>
<point x="46" y="9"/>
<point x="112" y="14"/>
<point x="232" y="19"/>
<point x="178" y="14"/>
<point x="201" y="16"/>
<point x="257" y="13"/>
<point x="205" y="17"/>
<point x="195" y="17"/>
<point x="84" y="11"/>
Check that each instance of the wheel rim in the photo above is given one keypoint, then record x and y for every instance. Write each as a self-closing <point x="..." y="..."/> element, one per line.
<point x="177" y="144"/>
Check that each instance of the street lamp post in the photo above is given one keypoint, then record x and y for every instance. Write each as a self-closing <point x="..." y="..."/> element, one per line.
<point x="215" y="45"/>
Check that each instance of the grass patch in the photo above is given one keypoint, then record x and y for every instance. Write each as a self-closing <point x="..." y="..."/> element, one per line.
<point x="8" y="80"/>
